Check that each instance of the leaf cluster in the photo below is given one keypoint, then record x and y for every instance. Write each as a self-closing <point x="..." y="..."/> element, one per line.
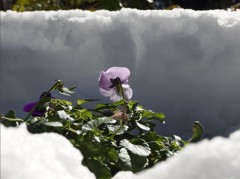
<point x="92" y="5"/>
<point x="112" y="137"/>
<point x="113" y="5"/>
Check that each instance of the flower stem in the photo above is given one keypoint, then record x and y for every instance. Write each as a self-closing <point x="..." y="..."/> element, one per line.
<point x="122" y="94"/>
<point x="121" y="88"/>
<point x="56" y="84"/>
<point x="125" y="107"/>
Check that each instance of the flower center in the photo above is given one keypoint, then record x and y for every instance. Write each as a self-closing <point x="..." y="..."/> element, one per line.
<point x="116" y="83"/>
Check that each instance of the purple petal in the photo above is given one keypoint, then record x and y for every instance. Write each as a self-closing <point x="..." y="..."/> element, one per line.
<point x="38" y="113"/>
<point x="116" y="98"/>
<point x="121" y="72"/>
<point x="104" y="80"/>
<point x="107" y="93"/>
<point x="28" y="107"/>
<point x="128" y="92"/>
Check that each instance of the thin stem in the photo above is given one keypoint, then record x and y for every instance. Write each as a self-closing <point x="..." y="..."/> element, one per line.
<point x="122" y="94"/>
<point x="119" y="86"/>
<point x="72" y="130"/>
<point x="57" y="83"/>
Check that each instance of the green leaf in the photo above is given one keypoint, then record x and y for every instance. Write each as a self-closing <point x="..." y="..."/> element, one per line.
<point x="89" y="146"/>
<point x="135" y="149"/>
<point x="133" y="105"/>
<point x="125" y="159"/>
<point x="82" y="101"/>
<point x="138" y="162"/>
<point x="154" y="141"/>
<point x="156" y="145"/>
<point x="72" y="88"/>
<point x="112" y="106"/>
<point x="177" y="138"/>
<point x="65" y="91"/>
<point x="36" y="120"/>
<point x="197" y="132"/>
<point x="99" y="169"/>
<point x="101" y="106"/>
<point x="118" y="103"/>
<point x="112" y="154"/>
<point x="150" y="115"/>
<point x="95" y="123"/>
<point x="81" y="114"/>
<point x="111" y="5"/>
<point x="144" y="127"/>
<point x="151" y="136"/>
<point x="52" y="124"/>
<point x="64" y="116"/>
<point x="61" y="102"/>
<point x="117" y="128"/>
<point x="11" y="114"/>
<point x="10" y="119"/>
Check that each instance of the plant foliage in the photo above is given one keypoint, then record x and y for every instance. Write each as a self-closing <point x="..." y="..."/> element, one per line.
<point x="113" y="5"/>
<point x="112" y="137"/>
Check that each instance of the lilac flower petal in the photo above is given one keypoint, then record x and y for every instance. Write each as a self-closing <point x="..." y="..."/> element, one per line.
<point x="107" y="93"/>
<point x="104" y="81"/>
<point x="108" y="83"/>
<point x="121" y="72"/>
<point x="128" y="92"/>
<point x="28" y="107"/>
<point x="116" y="98"/>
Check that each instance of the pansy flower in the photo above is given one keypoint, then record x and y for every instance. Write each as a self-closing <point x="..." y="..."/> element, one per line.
<point x="38" y="112"/>
<point x="110" y="81"/>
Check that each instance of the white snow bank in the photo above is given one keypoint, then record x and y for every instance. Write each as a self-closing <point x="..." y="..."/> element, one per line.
<point x="184" y="63"/>
<point x="38" y="156"/>
<point x="218" y="158"/>
<point x="50" y="156"/>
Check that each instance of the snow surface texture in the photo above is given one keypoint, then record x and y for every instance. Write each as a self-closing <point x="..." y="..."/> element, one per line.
<point x="218" y="158"/>
<point x="184" y="63"/>
<point x="48" y="156"/>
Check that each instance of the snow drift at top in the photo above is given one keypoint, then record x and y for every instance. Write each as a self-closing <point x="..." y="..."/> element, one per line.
<point x="184" y="63"/>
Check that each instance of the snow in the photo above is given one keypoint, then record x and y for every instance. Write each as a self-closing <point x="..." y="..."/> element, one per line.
<point x="183" y="63"/>
<point x="36" y="156"/>
<point x="50" y="156"/>
<point x="216" y="158"/>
